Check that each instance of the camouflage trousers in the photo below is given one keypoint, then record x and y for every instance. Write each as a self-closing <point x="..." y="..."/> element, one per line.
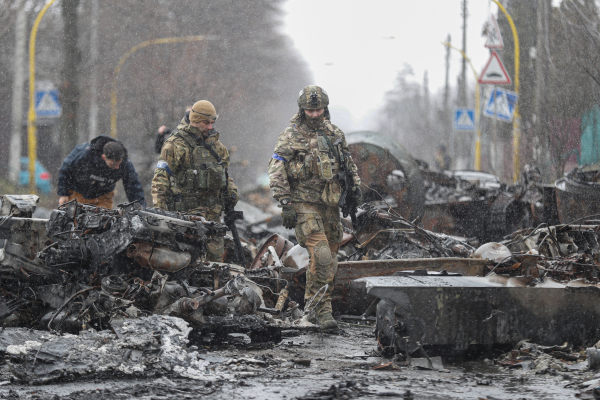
<point x="319" y="230"/>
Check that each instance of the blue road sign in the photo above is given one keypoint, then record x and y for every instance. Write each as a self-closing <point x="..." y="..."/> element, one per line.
<point x="46" y="104"/>
<point x="500" y="104"/>
<point x="464" y="119"/>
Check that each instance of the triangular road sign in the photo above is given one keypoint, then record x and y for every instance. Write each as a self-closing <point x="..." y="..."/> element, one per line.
<point x="494" y="72"/>
<point x="494" y="38"/>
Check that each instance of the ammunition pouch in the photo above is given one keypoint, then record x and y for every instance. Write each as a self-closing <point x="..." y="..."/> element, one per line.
<point x="209" y="176"/>
<point x="212" y="176"/>
<point x="301" y="167"/>
<point x="190" y="201"/>
<point x="324" y="167"/>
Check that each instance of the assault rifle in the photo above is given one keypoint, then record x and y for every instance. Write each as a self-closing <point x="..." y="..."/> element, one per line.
<point x="346" y="179"/>
<point x="230" y="217"/>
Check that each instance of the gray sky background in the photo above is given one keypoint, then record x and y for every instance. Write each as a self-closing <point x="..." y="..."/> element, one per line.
<point x="355" y="48"/>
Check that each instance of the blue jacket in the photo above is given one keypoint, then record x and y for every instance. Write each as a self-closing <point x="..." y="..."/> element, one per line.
<point x="84" y="171"/>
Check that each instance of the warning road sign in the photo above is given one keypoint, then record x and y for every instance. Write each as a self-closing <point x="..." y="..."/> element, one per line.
<point x="494" y="38"/>
<point x="494" y="72"/>
<point x="500" y="104"/>
<point x="46" y="103"/>
<point x="464" y="119"/>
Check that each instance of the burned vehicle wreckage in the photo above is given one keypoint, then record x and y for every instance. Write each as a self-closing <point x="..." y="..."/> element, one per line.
<point x="85" y="266"/>
<point x="471" y="204"/>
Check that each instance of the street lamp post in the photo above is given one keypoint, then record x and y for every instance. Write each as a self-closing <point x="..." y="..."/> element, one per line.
<point x="113" y="93"/>
<point x="477" y="108"/>
<point x="31" y="115"/>
<point x="517" y="117"/>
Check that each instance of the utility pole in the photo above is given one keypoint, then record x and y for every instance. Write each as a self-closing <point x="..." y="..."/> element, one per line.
<point x="447" y="118"/>
<point x="70" y="75"/>
<point x="17" y="93"/>
<point x="463" y="72"/>
<point x="460" y="152"/>
<point x="494" y="147"/>
<point x="538" y="140"/>
<point x="426" y="102"/>
<point x="93" y="122"/>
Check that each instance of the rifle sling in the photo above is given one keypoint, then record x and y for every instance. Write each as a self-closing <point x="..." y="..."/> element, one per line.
<point x="201" y="142"/>
<point x="331" y="146"/>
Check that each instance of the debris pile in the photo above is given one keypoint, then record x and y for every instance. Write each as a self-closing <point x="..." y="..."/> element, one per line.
<point x="135" y="272"/>
<point x="562" y="252"/>
<point x="342" y="390"/>
<point x="543" y="359"/>
<point x="98" y="263"/>
<point x="471" y="204"/>
<point x="384" y="235"/>
<point x="447" y="186"/>
<point x="148" y="345"/>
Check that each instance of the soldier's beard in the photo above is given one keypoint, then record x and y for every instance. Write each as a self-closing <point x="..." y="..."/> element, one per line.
<point x="314" y="122"/>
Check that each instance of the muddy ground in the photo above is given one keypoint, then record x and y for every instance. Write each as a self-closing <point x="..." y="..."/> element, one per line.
<point x="341" y="367"/>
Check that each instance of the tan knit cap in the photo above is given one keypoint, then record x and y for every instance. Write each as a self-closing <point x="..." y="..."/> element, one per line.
<point x="203" y="110"/>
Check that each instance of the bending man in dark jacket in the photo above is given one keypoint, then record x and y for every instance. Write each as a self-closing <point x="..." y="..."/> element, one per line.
<point x="92" y="170"/>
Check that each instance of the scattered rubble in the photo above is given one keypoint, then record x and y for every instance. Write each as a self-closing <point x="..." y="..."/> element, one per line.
<point x="146" y="346"/>
<point x="544" y="359"/>
<point x="131" y="288"/>
<point x="100" y="273"/>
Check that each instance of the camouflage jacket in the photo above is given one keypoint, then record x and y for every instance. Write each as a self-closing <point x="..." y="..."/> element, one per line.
<point x="302" y="165"/>
<point x="176" y="155"/>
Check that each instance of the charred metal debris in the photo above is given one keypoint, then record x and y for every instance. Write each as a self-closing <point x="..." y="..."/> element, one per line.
<point x="466" y="203"/>
<point x="433" y="293"/>
<point x="87" y="267"/>
<point x="107" y="274"/>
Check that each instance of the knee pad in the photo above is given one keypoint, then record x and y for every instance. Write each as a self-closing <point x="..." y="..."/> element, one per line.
<point x="322" y="254"/>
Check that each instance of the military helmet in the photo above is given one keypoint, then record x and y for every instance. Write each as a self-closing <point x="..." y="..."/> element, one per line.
<point x="312" y="98"/>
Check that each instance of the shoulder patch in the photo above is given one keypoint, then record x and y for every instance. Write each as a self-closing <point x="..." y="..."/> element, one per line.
<point x="278" y="157"/>
<point x="163" y="165"/>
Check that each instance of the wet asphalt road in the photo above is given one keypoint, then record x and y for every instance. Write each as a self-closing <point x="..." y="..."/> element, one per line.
<point x="340" y="367"/>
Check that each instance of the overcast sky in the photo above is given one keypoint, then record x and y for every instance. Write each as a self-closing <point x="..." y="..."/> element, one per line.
<point x="355" y="48"/>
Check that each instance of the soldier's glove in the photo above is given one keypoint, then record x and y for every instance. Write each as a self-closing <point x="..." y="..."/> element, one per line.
<point x="233" y="199"/>
<point x="229" y="200"/>
<point x="288" y="213"/>
<point x="356" y="195"/>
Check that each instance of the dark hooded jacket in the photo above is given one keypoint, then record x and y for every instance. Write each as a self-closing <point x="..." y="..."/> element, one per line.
<point x="84" y="171"/>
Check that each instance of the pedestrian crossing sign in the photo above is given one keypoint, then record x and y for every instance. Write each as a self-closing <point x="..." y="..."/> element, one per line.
<point x="494" y="37"/>
<point x="500" y="104"/>
<point x="464" y="119"/>
<point x="47" y="104"/>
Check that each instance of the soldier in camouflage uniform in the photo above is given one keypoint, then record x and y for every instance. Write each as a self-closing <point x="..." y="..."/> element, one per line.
<point x="301" y="172"/>
<point x="191" y="174"/>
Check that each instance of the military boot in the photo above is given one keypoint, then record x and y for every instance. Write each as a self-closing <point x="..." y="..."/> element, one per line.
<point x="327" y="322"/>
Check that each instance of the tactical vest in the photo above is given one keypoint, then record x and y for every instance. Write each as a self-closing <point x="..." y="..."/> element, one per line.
<point x="199" y="179"/>
<point x="319" y="160"/>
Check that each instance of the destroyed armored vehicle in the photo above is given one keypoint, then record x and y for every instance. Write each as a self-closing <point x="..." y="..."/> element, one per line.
<point x="465" y="203"/>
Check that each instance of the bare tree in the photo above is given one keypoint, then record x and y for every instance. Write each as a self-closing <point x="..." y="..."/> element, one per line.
<point x="70" y="76"/>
